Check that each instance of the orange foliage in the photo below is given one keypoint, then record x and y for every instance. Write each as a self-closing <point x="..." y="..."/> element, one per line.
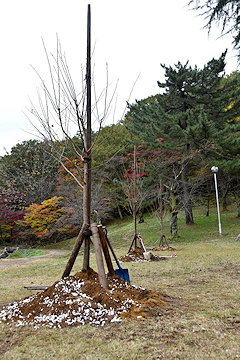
<point x="42" y="217"/>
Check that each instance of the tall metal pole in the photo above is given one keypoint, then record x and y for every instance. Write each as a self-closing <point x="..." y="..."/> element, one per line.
<point x="215" y="170"/>
<point x="87" y="147"/>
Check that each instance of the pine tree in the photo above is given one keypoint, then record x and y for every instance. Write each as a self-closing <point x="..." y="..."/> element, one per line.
<point x="221" y="12"/>
<point x="188" y="115"/>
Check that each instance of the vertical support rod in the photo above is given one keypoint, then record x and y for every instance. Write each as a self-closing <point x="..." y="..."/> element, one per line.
<point x="218" y="209"/>
<point x="89" y="98"/>
<point x="89" y="123"/>
<point x="135" y="193"/>
<point x="87" y="146"/>
<point x="161" y="207"/>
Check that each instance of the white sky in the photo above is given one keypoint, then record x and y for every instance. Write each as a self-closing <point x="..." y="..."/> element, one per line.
<point x="132" y="36"/>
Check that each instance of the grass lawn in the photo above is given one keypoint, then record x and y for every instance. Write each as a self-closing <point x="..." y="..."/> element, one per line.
<point x="203" y="321"/>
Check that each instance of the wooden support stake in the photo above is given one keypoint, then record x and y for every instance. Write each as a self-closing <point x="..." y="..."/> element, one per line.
<point x="163" y="237"/>
<point x="37" y="287"/>
<point x="110" y="246"/>
<point x="135" y="195"/>
<point x="134" y="240"/>
<point x="105" y="250"/>
<point x="98" y="253"/>
<point x="86" y="253"/>
<point x="75" y="251"/>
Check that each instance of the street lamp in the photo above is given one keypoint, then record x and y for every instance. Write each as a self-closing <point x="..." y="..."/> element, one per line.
<point x="215" y="170"/>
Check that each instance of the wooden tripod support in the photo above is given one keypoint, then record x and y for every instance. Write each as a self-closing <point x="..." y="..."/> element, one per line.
<point x="75" y="251"/>
<point x="134" y="241"/>
<point x="161" y="243"/>
<point x="100" y="245"/>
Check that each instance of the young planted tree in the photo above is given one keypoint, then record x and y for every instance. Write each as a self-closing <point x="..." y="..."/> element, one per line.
<point x="62" y="108"/>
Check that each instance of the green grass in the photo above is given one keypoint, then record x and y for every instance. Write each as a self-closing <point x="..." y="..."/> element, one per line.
<point x="27" y="253"/>
<point x="202" y="323"/>
<point x="204" y="228"/>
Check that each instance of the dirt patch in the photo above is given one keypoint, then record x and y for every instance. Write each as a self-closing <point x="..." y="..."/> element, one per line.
<point x="137" y="255"/>
<point x="163" y="248"/>
<point x="80" y="300"/>
<point x="12" y="338"/>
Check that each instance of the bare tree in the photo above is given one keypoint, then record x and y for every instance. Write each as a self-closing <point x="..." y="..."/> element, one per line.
<point x="63" y="112"/>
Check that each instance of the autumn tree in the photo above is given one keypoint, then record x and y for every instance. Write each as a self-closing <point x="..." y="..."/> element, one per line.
<point x="27" y="169"/>
<point x="44" y="219"/>
<point x="11" y="211"/>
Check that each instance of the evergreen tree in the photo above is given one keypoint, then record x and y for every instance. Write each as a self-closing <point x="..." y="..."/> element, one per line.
<point x="221" y="12"/>
<point x="187" y="116"/>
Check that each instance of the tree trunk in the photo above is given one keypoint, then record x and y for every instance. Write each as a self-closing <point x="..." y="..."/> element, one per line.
<point x="208" y="207"/>
<point x="172" y="198"/>
<point x="119" y="212"/>
<point x="225" y="200"/>
<point x="173" y="220"/>
<point x="87" y="190"/>
<point x="237" y="199"/>
<point x="186" y="195"/>
<point x="173" y="225"/>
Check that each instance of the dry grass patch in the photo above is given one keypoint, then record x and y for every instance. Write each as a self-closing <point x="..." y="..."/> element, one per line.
<point x="202" y="323"/>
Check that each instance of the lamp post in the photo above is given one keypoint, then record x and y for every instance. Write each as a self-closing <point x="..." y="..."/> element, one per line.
<point x="215" y="170"/>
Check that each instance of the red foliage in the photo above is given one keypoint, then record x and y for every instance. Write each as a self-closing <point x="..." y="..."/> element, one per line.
<point x="11" y="216"/>
<point x="11" y="207"/>
<point x="130" y="175"/>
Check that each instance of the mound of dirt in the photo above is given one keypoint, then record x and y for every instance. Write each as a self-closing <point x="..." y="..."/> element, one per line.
<point x="164" y="248"/>
<point x="80" y="299"/>
<point x="133" y="255"/>
<point x="136" y="255"/>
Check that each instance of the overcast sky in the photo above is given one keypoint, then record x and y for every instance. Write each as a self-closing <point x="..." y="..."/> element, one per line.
<point x="132" y="36"/>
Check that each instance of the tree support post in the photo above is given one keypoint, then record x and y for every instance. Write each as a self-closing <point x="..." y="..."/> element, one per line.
<point x="98" y="254"/>
<point x="75" y="251"/>
<point x="133" y="241"/>
<point x="105" y="250"/>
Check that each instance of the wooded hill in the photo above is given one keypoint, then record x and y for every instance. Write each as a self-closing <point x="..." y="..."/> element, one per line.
<point x="179" y="134"/>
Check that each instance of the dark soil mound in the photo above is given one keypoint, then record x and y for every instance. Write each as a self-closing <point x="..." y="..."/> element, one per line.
<point x="80" y="299"/>
<point x="164" y="248"/>
<point x="133" y="255"/>
<point x="137" y="255"/>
